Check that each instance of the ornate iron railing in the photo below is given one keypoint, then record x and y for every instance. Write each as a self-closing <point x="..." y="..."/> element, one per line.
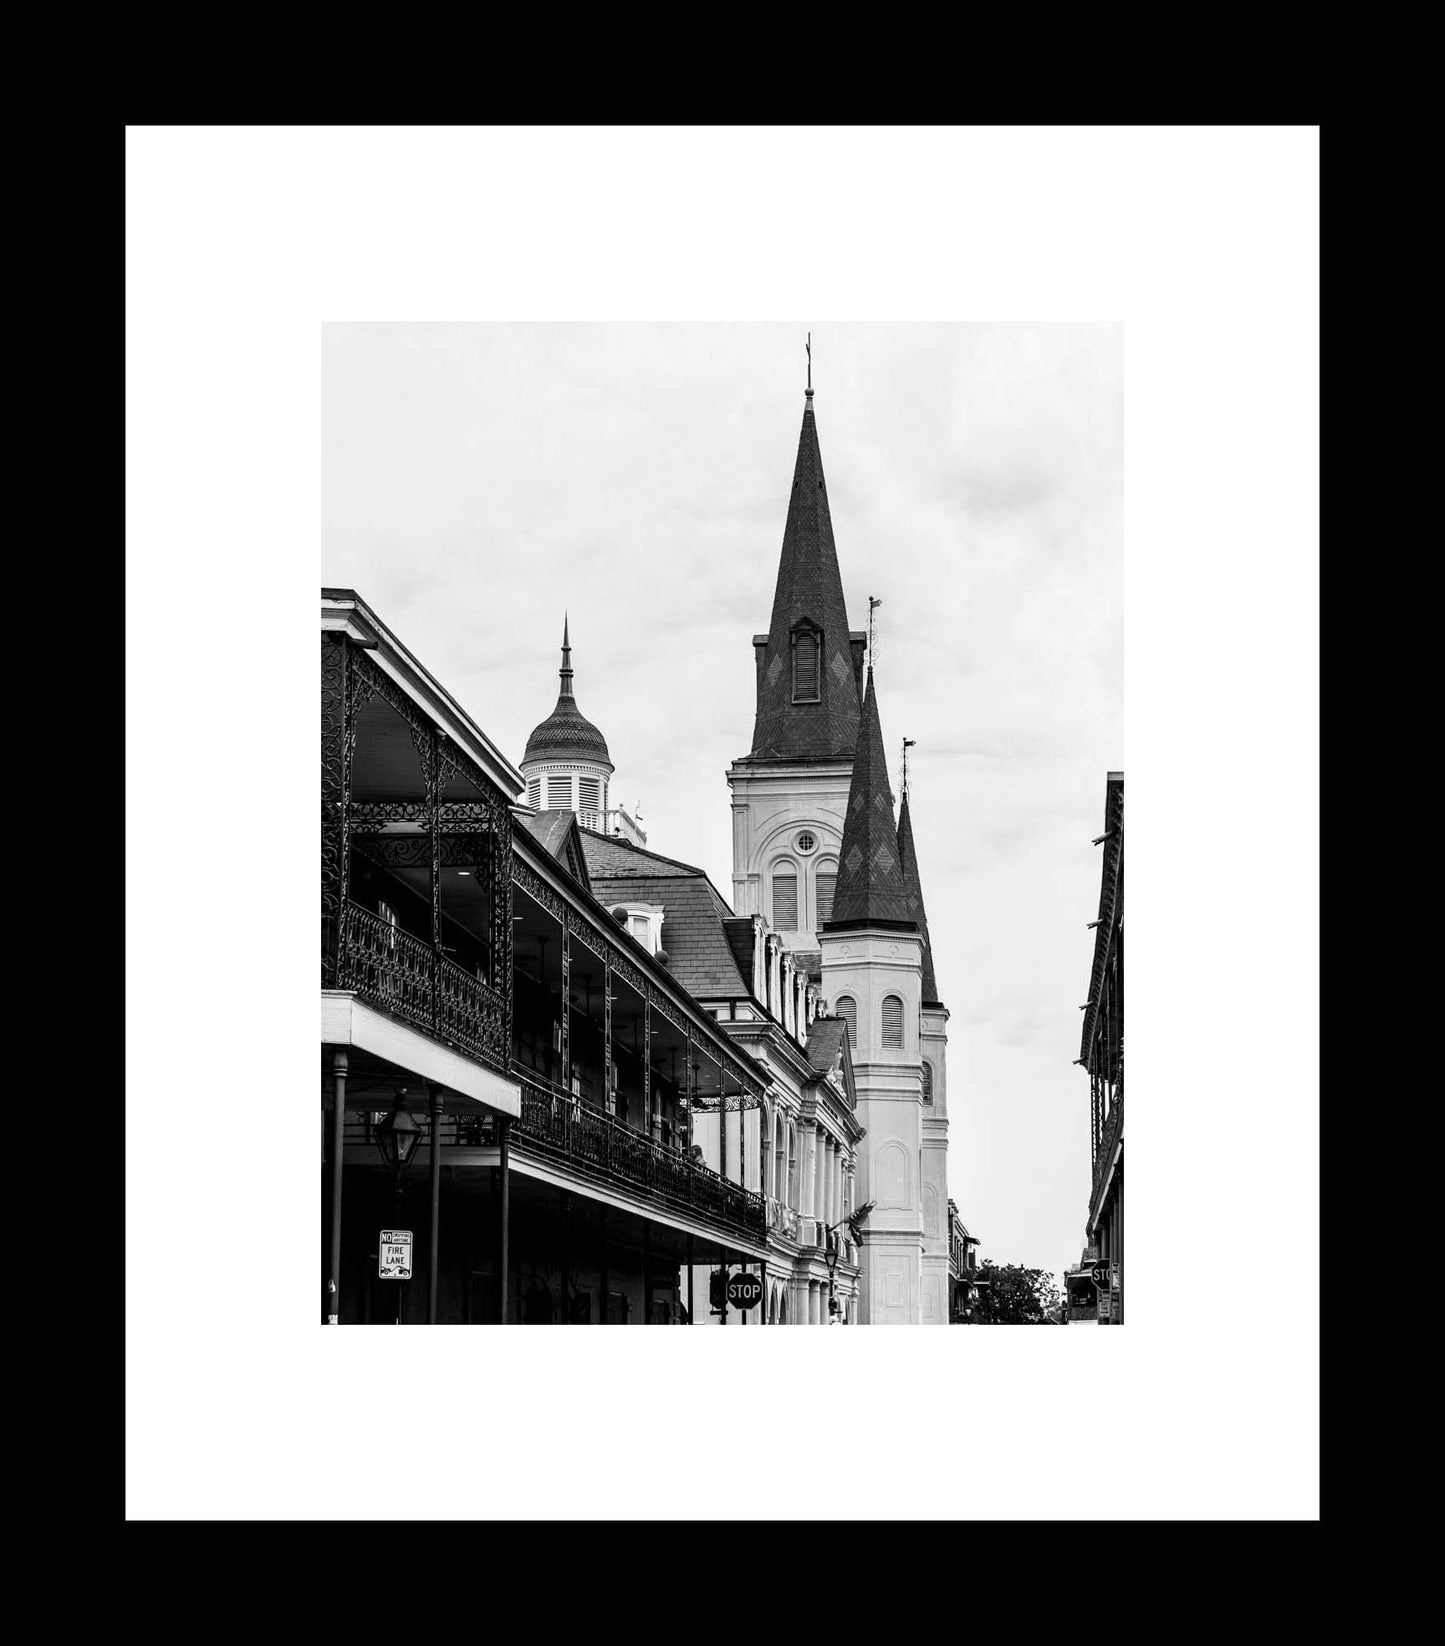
<point x="420" y="985"/>
<point x="556" y="1124"/>
<point x="1113" y="1126"/>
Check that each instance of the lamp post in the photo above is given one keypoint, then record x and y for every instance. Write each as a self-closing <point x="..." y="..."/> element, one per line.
<point x="397" y="1137"/>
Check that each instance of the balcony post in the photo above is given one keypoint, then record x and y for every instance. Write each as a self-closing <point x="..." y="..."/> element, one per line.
<point x="433" y="796"/>
<point x="646" y="1261"/>
<point x="602" y="1311"/>
<point x="647" y="1062"/>
<point x="339" y="1065"/>
<point x="566" y="1006"/>
<point x="338" y="738"/>
<point x="691" y="1308"/>
<point x="609" y="1101"/>
<point x="504" y="1128"/>
<point x="435" y="1164"/>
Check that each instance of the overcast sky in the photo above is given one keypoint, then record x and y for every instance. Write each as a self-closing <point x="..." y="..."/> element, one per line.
<point x="478" y="479"/>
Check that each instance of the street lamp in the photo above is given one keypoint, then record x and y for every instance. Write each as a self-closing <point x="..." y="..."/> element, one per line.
<point x="397" y="1137"/>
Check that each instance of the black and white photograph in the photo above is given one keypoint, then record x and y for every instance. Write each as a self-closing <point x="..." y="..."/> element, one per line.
<point x="740" y="599"/>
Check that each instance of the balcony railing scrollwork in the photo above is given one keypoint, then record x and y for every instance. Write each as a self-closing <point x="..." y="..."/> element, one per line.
<point x="420" y="985"/>
<point x="559" y="1125"/>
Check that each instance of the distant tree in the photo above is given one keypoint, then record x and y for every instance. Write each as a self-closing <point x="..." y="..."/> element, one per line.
<point x="1010" y="1295"/>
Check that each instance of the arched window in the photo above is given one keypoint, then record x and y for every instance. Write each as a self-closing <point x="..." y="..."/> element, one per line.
<point x="848" y="1011"/>
<point x="785" y="899"/>
<point x="780" y="1164"/>
<point x="824" y="881"/>
<point x="805" y="666"/>
<point x="892" y="1023"/>
<point x="534" y="792"/>
<point x="792" y="1165"/>
<point x="928" y="1083"/>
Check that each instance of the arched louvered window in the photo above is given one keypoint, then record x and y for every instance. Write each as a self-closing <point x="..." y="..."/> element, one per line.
<point x="805" y="667"/>
<point x="534" y="792"/>
<point x="559" y="794"/>
<point x="827" y="878"/>
<point x="928" y="1083"/>
<point x="785" y="900"/>
<point x="848" y="1011"/>
<point x="892" y="1023"/>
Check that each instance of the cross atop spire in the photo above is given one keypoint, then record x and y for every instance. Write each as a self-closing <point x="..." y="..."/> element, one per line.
<point x="809" y="347"/>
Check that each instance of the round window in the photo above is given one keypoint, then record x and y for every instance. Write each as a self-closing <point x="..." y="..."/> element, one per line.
<point x="806" y="842"/>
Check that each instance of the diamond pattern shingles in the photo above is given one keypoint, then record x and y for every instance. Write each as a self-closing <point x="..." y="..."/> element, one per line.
<point x="870" y="889"/>
<point x="913" y="886"/>
<point x="809" y="587"/>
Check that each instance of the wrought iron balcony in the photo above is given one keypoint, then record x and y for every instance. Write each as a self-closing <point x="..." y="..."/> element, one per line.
<point x="1113" y="1129"/>
<point x="557" y="1125"/>
<point x="420" y="985"/>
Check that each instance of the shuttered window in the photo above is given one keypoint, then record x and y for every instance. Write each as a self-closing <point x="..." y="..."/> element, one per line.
<point x="534" y="792"/>
<point x="825" y="883"/>
<point x="559" y="794"/>
<point x="785" y="901"/>
<point x="848" y="1011"/>
<point x="927" y="1083"/>
<point x="805" y="668"/>
<point x="892" y="1023"/>
<point x="588" y="797"/>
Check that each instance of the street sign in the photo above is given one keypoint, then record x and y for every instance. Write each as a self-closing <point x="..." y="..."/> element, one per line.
<point x="1100" y="1274"/>
<point x="1105" y="1302"/>
<point x="394" y="1255"/>
<point x="745" y="1291"/>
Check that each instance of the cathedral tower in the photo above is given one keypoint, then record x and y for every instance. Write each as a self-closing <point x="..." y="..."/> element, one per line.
<point x="933" y="1049"/>
<point x="789" y="791"/>
<point x="872" y="958"/>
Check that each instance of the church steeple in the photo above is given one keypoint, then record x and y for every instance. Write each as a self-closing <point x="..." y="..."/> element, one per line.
<point x="807" y="673"/>
<point x="870" y="890"/>
<point x="913" y="891"/>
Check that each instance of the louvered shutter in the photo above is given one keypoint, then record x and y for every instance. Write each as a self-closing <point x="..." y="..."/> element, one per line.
<point x="892" y="1023"/>
<point x="805" y="668"/>
<point x="559" y="794"/>
<point x="826" y="883"/>
<point x="848" y="1011"/>
<point x="785" y="901"/>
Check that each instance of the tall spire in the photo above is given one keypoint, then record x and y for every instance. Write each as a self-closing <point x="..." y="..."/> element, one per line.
<point x="565" y="672"/>
<point x="807" y="682"/>
<point x="913" y="890"/>
<point x="870" y="890"/>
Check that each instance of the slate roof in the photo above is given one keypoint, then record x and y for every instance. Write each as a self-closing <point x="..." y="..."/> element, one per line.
<point x="913" y="886"/>
<point x="557" y="833"/>
<point x="810" y="588"/>
<point x="869" y="889"/>
<point x="825" y="1041"/>
<point x="739" y="932"/>
<point x="694" y="915"/>
<point x="566" y="733"/>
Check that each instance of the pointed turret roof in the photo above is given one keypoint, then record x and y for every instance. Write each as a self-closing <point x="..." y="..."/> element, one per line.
<point x="566" y="733"/>
<point x="870" y="890"/>
<point x="809" y="593"/>
<point x="913" y="888"/>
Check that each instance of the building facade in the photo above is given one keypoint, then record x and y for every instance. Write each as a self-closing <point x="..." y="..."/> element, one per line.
<point x="1102" y="1056"/>
<point x="510" y="1079"/>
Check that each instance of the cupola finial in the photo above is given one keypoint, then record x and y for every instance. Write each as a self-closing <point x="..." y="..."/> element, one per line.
<point x="565" y="672"/>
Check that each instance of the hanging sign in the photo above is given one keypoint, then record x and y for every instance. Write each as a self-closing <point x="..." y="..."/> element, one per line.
<point x="745" y="1291"/>
<point x="394" y="1254"/>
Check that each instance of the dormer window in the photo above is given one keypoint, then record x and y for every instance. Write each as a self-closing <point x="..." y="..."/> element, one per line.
<point x="807" y="644"/>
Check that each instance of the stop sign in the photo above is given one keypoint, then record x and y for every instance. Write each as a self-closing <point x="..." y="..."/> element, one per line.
<point x="1100" y="1274"/>
<point x="744" y="1291"/>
